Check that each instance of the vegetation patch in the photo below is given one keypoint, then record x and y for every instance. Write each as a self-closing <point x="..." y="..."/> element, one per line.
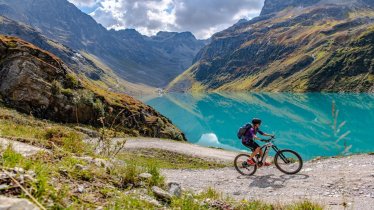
<point x="168" y="160"/>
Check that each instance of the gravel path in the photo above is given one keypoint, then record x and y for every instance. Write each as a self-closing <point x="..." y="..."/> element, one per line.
<point x="182" y="147"/>
<point x="22" y="148"/>
<point x="331" y="182"/>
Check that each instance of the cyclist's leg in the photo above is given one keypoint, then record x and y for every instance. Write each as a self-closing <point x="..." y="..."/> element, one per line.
<point x="255" y="152"/>
<point x="255" y="149"/>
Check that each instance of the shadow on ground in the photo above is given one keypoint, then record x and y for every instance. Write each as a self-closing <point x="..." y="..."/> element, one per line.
<point x="272" y="180"/>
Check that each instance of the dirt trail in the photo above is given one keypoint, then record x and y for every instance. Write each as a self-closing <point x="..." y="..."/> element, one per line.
<point x="22" y="148"/>
<point x="331" y="182"/>
<point x="182" y="147"/>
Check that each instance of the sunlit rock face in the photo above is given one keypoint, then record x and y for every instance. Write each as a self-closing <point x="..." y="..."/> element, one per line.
<point x="36" y="82"/>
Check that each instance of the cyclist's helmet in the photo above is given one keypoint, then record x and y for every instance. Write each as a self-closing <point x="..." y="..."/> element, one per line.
<point x="256" y="121"/>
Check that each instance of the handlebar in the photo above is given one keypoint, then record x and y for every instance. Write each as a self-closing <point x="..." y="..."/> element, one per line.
<point x="268" y="140"/>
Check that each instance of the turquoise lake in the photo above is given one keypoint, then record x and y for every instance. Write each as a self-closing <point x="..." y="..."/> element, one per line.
<point x="313" y="124"/>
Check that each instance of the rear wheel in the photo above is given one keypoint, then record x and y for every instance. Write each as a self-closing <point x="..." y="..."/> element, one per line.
<point x="243" y="167"/>
<point x="288" y="161"/>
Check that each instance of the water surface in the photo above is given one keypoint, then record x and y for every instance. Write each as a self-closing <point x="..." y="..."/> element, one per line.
<point x="313" y="124"/>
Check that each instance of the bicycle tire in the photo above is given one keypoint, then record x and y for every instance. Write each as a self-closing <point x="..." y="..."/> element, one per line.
<point x="237" y="167"/>
<point x="281" y="152"/>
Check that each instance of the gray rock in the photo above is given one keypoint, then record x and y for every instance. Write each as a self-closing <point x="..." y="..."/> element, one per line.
<point x="4" y="186"/>
<point x="236" y="193"/>
<point x="31" y="173"/>
<point x="175" y="189"/>
<point x="97" y="161"/>
<point x="19" y="170"/>
<point x="29" y="178"/>
<point x="161" y="194"/>
<point x="150" y="200"/>
<point x="81" y="189"/>
<point x="16" y="204"/>
<point x="145" y="176"/>
<point x="80" y="167"/>
<point x="63" y="171"/>
<point x="89" y="132"/>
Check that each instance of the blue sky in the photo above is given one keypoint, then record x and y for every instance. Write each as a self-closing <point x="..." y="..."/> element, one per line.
<point x="201" y="17"/>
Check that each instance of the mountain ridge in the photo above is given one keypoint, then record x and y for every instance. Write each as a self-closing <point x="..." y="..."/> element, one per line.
<point x="133" y="57"/>
<point x="322" y="47"/>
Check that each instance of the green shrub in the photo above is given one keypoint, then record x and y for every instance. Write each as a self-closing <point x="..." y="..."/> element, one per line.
<point x="129" y="174"/>
<point x="70" y="141"/>
<point x="56" y="87"/>
<point x="304" y="205"/>
<point x="129" y="202"/>
<point x="10" y="158"/>
<point x="157" y="179"/>
<point x="71" y="81"/>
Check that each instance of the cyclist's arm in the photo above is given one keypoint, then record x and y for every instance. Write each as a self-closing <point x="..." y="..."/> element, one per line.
<point x="264" y="134"/>
<point x="256" y="138"/>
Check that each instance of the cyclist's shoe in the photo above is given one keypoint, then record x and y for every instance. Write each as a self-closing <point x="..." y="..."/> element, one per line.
<point x="251" y="162"/>
<point x="267" y="164"/>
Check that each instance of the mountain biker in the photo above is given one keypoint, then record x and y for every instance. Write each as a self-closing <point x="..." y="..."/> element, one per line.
<point x="249" y="140"/>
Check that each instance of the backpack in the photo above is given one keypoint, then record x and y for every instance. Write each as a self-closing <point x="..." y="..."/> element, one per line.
<point x="242" y="130"/>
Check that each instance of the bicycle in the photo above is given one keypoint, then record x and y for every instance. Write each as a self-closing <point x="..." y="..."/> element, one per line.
<point x="287" y="161"/>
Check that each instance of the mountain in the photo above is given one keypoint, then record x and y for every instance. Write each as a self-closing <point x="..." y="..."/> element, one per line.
<point x="298" y="45"/>
<point x="82" y="63"/>
<point x="132" y="56"/>
<point x="36" y="82"/>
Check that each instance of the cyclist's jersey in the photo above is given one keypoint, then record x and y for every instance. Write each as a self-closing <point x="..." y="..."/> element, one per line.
<point x="249" y="135"/>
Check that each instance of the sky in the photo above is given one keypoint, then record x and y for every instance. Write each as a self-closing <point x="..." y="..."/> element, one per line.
<point x="201" y="17"/>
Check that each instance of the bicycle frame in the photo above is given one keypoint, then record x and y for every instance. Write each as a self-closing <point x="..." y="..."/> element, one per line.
<point x="266" y="148"/>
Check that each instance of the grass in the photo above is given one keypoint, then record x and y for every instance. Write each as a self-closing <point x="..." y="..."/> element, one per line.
<point x="41" y="132"/>
<point x="57" y="177"/>
<point x="168" y="160"/>
<point x="58" y="174"/>
<point x="201" y="201"/>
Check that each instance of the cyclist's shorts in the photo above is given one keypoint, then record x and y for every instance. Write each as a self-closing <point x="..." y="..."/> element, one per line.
<point x="252" y="145"/>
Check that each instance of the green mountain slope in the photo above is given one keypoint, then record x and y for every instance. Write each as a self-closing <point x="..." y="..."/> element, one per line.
<point x="295" y="46"/>
<point x="36" y="82"/>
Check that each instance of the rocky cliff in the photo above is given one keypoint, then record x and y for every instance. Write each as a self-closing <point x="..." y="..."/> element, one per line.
<point x="37" y="82"/>
<point x="292" y="46"/>
<point x="132" y="56"/>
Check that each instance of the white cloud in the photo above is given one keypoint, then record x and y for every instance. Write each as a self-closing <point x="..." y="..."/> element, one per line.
<point x="203" y="18"/>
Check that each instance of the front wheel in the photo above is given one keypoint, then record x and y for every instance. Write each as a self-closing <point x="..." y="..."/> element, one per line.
<point x="288" y="161"/>
<point x="243" y="167"/>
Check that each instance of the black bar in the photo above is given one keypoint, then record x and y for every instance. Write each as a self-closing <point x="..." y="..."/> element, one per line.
<point x="263" y="154"/>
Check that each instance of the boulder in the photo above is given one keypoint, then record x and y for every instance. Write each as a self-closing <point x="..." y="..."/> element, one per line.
<point x="16" y="204"/>
<point x="175" y="189"/>
<point x="161" y="194"/>
<point x="145" y="176"/>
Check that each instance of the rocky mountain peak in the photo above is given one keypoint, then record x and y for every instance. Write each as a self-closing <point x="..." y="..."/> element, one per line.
<point x="274" y="6"/>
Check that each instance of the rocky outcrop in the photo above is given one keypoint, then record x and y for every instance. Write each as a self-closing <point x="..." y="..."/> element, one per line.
<point x="274" y="6"/>
<point x="297" y="46"/>
<point x="16" y="204"/>
<point x="36" y="82"/>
